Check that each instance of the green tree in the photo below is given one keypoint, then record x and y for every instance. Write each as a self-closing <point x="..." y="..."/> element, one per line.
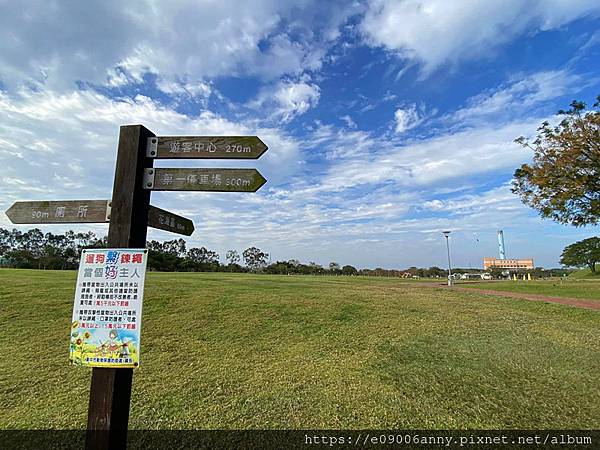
<point x="435" y="271"/>
<point x="334" y="267"/>
<point x="349" y="270"/>
<point x="175" y="247"/>
<point x="6" y="241"/>
<point x="582" y="253"/>
<point x="202" y="255"/>
<point x="255" y="258"/>
<point x="563" y="181"/>
<point x="233" y="257"/>
<point x="201" y="259"/>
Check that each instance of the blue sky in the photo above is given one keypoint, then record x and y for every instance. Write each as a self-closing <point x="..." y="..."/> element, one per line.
<point x="387" y="121"/>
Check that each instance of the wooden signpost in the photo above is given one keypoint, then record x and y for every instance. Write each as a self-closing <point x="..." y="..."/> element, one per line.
<point x="129" y="214"/>
<point x="68" y="211"/>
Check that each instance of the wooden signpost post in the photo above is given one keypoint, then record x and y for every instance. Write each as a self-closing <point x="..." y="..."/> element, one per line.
<point x="129" y="214"/>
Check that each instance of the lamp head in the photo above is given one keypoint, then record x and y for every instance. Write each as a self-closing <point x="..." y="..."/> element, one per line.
<point x="446" y="233"/>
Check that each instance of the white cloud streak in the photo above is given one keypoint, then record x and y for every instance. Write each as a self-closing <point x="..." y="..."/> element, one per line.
<point x="287" y="100"/>
<point x="518" y="96"/>
<point x="407" y="118"/>
<point x="437" y="32"/>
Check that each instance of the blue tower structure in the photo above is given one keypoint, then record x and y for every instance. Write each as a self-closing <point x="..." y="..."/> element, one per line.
<point x="501" y="244"/>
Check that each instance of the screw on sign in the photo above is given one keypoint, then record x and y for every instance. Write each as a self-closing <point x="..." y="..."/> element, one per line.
<point x="129" y="214"/>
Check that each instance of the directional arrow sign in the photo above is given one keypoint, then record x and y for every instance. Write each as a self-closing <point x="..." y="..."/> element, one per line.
<point x="205" y="147"/>
<point x="165" y="220"/>
<point x="63" y="211"/>
<point x="217" y="180"/>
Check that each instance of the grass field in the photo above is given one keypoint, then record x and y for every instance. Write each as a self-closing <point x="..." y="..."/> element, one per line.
<point x="251" y="351"/>
<point x="585" y="273"/>
<point x="588" y="288"/>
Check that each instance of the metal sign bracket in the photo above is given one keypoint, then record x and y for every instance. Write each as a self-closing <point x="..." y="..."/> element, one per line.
<point x="151" y="147"/>
<point x="148" y="178"/>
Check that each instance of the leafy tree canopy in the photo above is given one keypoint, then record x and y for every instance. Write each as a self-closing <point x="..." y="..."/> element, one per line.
<point x="582" y="253"/>
<point x="255" y="258"/>
<point x="563" y="181"/>
<point x="233" y="257"/>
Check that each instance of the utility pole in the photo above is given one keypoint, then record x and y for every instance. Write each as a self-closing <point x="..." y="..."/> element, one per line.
<point x="447" y="236"/>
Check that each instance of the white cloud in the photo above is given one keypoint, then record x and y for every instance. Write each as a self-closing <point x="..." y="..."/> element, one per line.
<point x="435" y="32"/>
<point x="433" y="161"/>
<point x="499" y="200"/>
<point x="197" y="89"/>
<point x="407" y="118"/>
<point x="519" y="96"/>
<point x="199" y="92"/>
<point x="339" y="143"/>
<point x="350" y="123"/>
<point x="288" y="99"/>
<point x="110" y="42"/>
<point x="296" y="98"/>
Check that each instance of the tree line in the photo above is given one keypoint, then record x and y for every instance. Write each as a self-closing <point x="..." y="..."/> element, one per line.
<point x="33" y="249"/>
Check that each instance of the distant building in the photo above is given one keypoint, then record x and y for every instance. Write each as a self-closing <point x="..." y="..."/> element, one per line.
<point x="509" y="264"/>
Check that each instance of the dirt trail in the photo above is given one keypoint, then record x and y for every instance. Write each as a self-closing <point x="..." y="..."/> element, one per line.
<point x="576" y="302"/>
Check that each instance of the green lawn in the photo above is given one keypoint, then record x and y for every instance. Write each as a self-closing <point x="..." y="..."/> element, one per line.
<point x="567" y="287"/>
<point x="586" y="273"/>
<point x="250" y="351"/>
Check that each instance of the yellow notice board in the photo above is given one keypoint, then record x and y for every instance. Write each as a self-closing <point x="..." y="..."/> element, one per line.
<point x="107" y="311"/>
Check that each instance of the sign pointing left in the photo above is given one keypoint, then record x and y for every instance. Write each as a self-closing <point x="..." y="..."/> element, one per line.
<point x="62" y="211"/>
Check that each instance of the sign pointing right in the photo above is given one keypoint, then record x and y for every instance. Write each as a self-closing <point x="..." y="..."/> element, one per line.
<point x="168" y="221"/>
<point x="205" y="147"/>
<point x="216" y="180"/>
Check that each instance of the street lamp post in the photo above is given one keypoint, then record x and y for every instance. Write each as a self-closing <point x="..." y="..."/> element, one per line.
<point x="447" y="236"/>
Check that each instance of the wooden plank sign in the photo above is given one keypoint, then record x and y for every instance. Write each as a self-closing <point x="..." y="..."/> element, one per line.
<point x="205" y="147"/>
<point x="215" y="180"/>
<point x="165" y="220"/>
<point x="62" y="211"/>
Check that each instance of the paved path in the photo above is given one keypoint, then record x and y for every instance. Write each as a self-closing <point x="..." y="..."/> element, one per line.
<point x="576" y="302"/>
